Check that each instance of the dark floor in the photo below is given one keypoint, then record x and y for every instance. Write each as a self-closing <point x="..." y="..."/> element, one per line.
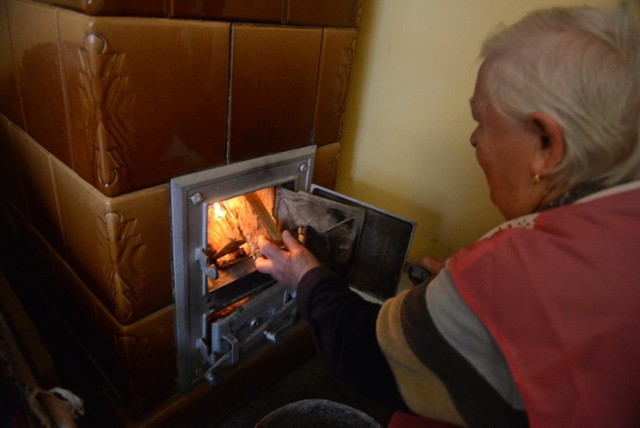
<point x="311" y="380"/>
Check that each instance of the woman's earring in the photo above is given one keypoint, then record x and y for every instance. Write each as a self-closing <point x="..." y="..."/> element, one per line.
<point x="536" y="179"/>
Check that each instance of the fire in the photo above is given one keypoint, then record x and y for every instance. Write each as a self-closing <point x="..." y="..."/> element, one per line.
<point x="218" y="212"/>
<point x="233" y="227"/>
<point x="226" y="311"/>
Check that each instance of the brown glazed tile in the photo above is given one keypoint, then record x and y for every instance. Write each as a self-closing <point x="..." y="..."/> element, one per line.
<point x="9" y="96"/>
<point x="9" y="182"/>
<point x="119" y="247"/>
<point x="325" y="167"/>
<point x="74" y="301"/>
<point x="35" y="48"/>
<point x="139" y="359"/>
<point x="274" y="73"/>
<point x="36" y="251"/>
<point x="137" y="230"/>
<point x="146" y="97"/>
<point x="338" y="48"/>
<point x="81" y="206"/>
<point x="237" y="10"/>
<point x="334" y="13"/>
<point x="34" y="171"/>
<point x="114" y="7"/>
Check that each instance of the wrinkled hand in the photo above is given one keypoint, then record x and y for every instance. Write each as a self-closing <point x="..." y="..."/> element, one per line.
<point x="287" y="267"/>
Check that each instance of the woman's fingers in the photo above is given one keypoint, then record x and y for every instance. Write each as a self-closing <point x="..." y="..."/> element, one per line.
<point x="290" y="242"/>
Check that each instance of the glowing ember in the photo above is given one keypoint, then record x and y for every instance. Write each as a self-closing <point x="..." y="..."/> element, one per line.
<point x="226" y="311"/>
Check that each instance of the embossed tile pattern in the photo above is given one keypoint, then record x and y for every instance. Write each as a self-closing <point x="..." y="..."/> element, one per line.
<point x="112" y="108"/>
<point x="147" y="98"/>
<point x="325" y="168"/>
<point x="338" y="47"/>
<point x="120" y="247"/>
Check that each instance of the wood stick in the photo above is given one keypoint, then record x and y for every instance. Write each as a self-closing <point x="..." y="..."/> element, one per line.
<point x="264" y="216"/>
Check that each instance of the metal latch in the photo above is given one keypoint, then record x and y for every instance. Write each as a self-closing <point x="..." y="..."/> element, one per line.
<point x="206" y="265"/>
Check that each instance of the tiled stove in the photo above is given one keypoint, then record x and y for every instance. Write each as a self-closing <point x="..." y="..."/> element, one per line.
<point x="102" y="103"/>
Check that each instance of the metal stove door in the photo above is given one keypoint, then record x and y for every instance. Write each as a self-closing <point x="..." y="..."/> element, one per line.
<point x="366" y="244"/>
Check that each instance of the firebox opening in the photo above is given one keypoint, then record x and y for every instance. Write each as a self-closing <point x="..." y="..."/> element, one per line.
<point x="233" y="228"/>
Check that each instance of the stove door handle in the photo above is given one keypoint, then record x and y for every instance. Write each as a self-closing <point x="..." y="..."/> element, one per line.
<point x="206" y="265"/>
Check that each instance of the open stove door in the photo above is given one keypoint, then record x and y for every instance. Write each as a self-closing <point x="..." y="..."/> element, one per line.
<point x="367" y="245"/>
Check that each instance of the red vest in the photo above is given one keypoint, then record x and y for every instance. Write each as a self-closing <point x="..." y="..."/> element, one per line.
<point x="562" y="300"/>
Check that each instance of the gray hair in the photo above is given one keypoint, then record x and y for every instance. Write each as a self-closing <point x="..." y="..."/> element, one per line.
<point x="582" y="67"/>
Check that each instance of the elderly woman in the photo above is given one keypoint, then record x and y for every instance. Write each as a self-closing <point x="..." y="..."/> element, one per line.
<point x="538" y="322"/>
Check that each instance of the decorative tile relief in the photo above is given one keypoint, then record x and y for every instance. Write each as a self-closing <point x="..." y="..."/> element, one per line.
<point x="334" y="13"/>
<point x="325" y="169"/>
<point x="147" y="98"/>
<point x="119" y="247"/>
<point x="9" y="98"/>
<point x="37" y="65"/>
<point x="338" y="48"/>
<point x="274" y="76"/>
<point x="141" y="225"/>
<point x="123" y="245"/>
<point x="107" y="102"/>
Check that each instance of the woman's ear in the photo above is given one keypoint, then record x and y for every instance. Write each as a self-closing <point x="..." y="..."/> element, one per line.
<point x="549" y="142"/>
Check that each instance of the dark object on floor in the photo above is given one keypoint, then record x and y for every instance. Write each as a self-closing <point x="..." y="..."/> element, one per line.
<point x="317" y="414"/>
<point x="310" y="380"/>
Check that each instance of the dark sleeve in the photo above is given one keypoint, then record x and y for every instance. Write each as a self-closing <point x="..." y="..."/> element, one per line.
<point x="344" y="332"/>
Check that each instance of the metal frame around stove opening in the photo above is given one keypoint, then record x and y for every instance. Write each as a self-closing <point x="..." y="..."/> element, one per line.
<point x="190" y="196"/>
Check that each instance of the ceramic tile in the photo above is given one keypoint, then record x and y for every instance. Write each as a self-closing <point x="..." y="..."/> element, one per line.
<point x="133" y="356"/>
<point x="38" y="70"/>
<point x="337" y="13"/>
<point x="34" y="172"/>
<point x="119" y="247"/>
<point x="325" y="167"/>
<point x="338" y="48"/>
<point x="137" y="230"/>
<point x="114" y="7"/>
<point x="147" y="98"/>
<point x="237" y="10"/>
<point x="80" y="206"/>
<point x="274" y="73"/>
<point x="9" y="182"/>
<point x="73" y="299"/>
<point x="9" y="99"/>
<point x="35" y="250"/>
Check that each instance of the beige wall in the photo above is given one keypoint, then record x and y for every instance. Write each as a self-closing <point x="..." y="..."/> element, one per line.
<point x="405" y="142"/>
